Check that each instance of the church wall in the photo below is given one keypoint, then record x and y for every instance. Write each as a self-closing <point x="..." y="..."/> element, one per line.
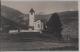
<point x="31" y="20"/>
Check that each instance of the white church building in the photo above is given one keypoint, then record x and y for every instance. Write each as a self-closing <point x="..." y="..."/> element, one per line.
<point x="34" y="25"/>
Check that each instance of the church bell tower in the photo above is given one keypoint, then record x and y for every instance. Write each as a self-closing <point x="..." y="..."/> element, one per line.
<point x="31" y="18"/>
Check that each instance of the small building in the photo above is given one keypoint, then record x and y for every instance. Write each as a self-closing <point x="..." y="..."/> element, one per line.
<point x="38" y="25"/>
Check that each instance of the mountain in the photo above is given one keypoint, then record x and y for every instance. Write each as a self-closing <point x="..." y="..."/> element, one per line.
<point x="68" y="16"/>
<point x="12" y="14"/>
<point x="69" y="19"/>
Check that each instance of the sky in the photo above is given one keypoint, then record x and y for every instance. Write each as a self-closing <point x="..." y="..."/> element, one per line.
<point x="41" y="7"/>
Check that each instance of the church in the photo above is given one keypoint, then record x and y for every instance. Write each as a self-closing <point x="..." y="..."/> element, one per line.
<point x="34" y="25"/>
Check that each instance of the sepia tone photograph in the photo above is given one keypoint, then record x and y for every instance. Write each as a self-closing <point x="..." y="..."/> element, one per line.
<point x="39" y="26"/>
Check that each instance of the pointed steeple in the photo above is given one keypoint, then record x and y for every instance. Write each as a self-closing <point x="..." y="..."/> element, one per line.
<point x="32" y="11"/>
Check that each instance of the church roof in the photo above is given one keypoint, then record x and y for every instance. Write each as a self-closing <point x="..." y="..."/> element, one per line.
<point x="36" y="19"/>
<point x="31" y="10"/>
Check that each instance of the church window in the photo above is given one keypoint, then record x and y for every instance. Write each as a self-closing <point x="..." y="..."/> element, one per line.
<point x="38" y="26"/>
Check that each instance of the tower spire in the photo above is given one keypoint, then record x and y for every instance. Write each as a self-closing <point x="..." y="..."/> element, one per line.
<point x="32" y="11"/>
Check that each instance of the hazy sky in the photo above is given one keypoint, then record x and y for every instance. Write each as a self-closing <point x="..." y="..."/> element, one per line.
<point x="42" y="7"/>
